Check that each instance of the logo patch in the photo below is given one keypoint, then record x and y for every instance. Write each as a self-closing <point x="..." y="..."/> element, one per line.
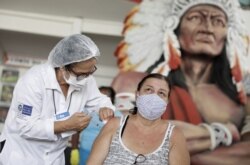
<point x="20" y="107"/>
<point x="27" y="110"/>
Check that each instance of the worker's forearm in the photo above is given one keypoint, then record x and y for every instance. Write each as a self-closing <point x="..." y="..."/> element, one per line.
<point x="61" y="126"/>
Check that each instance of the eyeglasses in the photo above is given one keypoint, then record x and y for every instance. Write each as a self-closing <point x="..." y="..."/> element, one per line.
<point x="139" y="159"/>
<point x="80" y="76"/>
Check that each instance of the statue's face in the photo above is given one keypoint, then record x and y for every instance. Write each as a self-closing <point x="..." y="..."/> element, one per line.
<point x="203" y="30"/>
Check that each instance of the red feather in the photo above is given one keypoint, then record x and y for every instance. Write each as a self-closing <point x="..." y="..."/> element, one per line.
<point x="136" y="1"/>
<point x="236" y="70"/>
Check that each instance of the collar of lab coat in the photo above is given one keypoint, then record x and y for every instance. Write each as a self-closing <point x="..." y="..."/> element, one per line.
<point x="50" y="78"/>
<point x="51" y="81"/>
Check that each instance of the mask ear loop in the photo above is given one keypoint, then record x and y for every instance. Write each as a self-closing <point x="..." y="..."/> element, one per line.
<point x="64" y="72"/>
<point x="60" y="75"/>
<point x="137" y="94"/>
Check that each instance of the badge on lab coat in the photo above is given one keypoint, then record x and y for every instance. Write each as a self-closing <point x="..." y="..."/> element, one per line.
<point x="62" y="116"/>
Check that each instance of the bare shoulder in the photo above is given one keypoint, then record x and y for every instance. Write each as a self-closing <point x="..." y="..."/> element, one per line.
<point x="177" y="136"/>
<point x="179" y="152"/>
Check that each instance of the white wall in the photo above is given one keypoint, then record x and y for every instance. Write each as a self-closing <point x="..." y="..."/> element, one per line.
<point x="105" y="75"/>
<point x="39" y="46"/>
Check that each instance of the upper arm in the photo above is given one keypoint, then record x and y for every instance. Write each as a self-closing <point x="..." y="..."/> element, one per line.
<point x="246" y="83"/>
<point x="179" y="154"/>
<point x="95" y="98"/>
<point x="245" y="132"/>
<point x="27" y="100"/>
<point x="248" y="105"/>
<point x="101" y="145"/>
<point x="27" y="104"/>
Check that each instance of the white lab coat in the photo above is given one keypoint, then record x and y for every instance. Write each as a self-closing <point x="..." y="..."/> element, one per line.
<point x="29" y="127"/>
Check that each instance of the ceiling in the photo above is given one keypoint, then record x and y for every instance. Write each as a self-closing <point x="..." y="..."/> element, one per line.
<point x="110" y="10"/>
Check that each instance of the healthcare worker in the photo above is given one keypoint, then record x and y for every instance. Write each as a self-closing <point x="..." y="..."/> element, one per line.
<point x="51" y="102"/>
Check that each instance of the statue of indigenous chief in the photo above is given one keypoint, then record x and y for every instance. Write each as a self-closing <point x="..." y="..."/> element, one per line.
<point x="204" y="48"/>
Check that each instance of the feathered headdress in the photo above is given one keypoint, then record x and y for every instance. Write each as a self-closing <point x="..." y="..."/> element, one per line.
<point x="149" y="34"/>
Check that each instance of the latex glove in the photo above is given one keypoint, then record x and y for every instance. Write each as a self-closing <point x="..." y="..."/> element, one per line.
<point x="74" y="157"/>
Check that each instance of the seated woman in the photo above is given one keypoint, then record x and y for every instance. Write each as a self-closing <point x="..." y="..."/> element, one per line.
<point x="143" y="138"/>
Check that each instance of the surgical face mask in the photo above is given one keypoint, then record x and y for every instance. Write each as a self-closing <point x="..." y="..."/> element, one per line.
<point x="72" y="80"/>
<point x="150" y="106"/>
